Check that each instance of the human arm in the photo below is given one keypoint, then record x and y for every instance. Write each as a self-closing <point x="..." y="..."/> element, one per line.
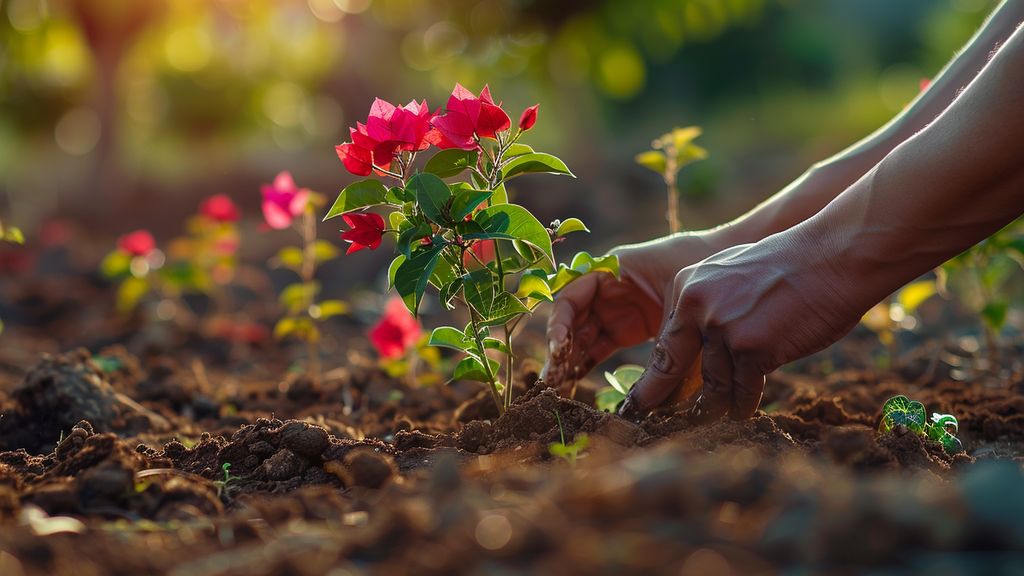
<point x="749" y="309"/>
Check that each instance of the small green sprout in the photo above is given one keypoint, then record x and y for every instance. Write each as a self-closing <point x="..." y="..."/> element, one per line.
<point x="668" y="155"/>
<point x="567" y="452"/>
<point x="223" y="486"/>
<point x="910" y="413"/>
<point x="622" y="380"/>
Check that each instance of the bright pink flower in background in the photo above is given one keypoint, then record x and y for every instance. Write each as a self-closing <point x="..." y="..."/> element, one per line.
<point x="396" y="332"/>
<point x="367" y="230"/>
<point x="283" y="201"/>
<point x="469" y="117"/>
<point x="219" y="208"/>
<point x="528" y="118"/>
<point x="138" y="243"/>
<point x="924" y="83"/>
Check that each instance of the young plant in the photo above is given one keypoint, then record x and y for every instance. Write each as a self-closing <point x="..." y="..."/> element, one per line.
<point x="981" y="279"/>
<point x="136" y="265"/>
<point x="669" y="154"/>
<point x="224" y="486"/>
<point x="621" y="382"/>
<point x="463" y="237"/>
<point x="941" y="428"/>
<point x="567" y="452"/>
<point x="287" y="206"/>
<point x="11" y="235"/>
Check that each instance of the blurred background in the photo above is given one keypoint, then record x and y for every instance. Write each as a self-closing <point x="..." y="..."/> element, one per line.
<point x="124" y="114"/>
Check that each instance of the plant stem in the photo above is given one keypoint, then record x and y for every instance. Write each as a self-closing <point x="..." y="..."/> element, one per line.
<point x="671" y="173"/>
<point x="481" y="350"/>
<point x="308" y="273"/>
<point x="509" y="363"/>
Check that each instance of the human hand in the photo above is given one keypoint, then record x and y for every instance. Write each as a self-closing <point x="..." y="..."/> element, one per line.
<point x="741" y="314"/>
<point x="598" y="314"/>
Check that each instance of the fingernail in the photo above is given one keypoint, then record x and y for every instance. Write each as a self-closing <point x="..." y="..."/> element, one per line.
<point x="630" y="410"/>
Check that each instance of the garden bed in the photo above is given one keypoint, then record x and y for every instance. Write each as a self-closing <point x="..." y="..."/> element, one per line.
<point x="114" y="465"/>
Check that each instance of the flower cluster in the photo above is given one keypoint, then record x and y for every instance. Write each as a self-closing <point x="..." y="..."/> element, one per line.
<point x="463" y="238"/>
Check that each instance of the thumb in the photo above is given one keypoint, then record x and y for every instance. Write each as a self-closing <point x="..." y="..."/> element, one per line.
<point x="675" y="352"/>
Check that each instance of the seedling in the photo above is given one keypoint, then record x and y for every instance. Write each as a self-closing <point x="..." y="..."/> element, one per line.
<point x="942" y="428"/>
<point x="621" y="382"/>
<point x="223" y="486"/>
<point x="136" y="265"/>
<point x="464" y="238"/>
<point x="669" y="154"/>
<point x="567" y="452"/>
<point x="287" y="206"/>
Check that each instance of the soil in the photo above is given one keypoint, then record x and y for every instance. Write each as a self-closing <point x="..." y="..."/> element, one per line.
<point x="188" y="459"/>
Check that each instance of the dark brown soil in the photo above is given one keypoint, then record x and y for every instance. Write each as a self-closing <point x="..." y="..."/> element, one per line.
<point x="117" y="464"/>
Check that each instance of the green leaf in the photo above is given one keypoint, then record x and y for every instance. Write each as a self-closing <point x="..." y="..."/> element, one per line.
<point x="994" y="314"/>
<point x="902" y="410"/>
<point x="516" y="150"/>
<point x="14" y="235"/>
<point x="414" y="273"/>
<point x="448" y="291"/>
<point x="946" y="421"/>
<point x="495" y="344"/>
<point x="301" y="327"/>
<point x="396" y="219"/>
<point x="478" y="287"/>
<point x="330" y="308"/>
<point x="512" y="222"/>
<point x="470" y="368"/>
<point x="448" y="337"/>
<point x="298" y="297"/>
<point x="433" y="196"/>
<point x="393" y="269"/>
<point x="500" y="195"/>
<point x="466" y="200"/>
<point x="412" y="237"/>
<point x="130" y="292"/>
<point x="571" y="225"/>
<point x="653" y="160"/>
<point x="536" y="162"/>
<point x="289" y="257"/>
<point x="116" y="264"/>
<point x="582" y="263"/>
<point x="608" y="399"/>
<point x="914" y="294"/>
<point x="451" y="162"/>
<point x="624" y="377"/>
<point x="358" y="195"/>
<point x="505" y="308"/>
<point x="534" y="285"/>
<point x="324" y="251"/>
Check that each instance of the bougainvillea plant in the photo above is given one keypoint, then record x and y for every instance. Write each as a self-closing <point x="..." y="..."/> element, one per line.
<point x="285" y="205"/>
<point x="135" y="263"/>
<point x="942" y="428"/>
<point x="461" y="236"/>
<point x="669" y="154"/>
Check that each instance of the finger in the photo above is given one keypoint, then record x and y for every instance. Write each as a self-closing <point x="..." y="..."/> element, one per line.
<point x="571" y="307"/>
<point x="747" y="388"/>
<point x="569" y="362"/>
<point x="717" y="372"/>
<point x="676" y="349"/>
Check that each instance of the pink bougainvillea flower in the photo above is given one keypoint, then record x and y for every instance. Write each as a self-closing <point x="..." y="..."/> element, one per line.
<point x="138" y="243"/>
<point x="484" y="252"/>
<point x="388" y="130"/>
<point x="283" y="201"/>
<point x="469" y="117"/>
<point x="396" y="332"/>
<point x="219" y="208"/>
<point x="367" y="230"/>
<point x="528" y="118"/>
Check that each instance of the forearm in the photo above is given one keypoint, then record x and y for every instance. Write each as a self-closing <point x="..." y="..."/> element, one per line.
<point x="824" y="181"/>
<point x="953" y="184"/>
